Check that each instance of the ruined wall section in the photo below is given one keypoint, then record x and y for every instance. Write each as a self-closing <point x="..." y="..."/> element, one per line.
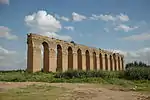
<point x="34" y="61"/>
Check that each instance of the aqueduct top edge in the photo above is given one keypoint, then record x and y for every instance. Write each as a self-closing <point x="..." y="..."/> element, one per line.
<point x="32" y="36"/>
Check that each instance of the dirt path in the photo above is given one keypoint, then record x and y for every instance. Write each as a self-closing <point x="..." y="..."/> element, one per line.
<point x="85" y="91"/>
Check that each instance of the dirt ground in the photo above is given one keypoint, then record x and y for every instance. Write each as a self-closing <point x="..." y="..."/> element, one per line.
<point x="78" y="91"/>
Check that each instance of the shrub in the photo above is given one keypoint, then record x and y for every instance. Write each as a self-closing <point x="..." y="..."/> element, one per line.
<point x="86" y="74"/>
<point x="137" y="73"/>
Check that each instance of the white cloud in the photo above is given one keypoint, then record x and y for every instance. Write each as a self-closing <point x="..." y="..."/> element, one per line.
<point x="44" y="24"/>
<point x="5" y="33"/>
<point x="143" y="36"/>
<point x="102" y="17"/>
<point x="54" y="35"/>
<point x="108" y="17"/>
<point x="122" y="17"/>
<point x="125" y="28"/>
<point x="4" y="2"/>
<point x="137" y="55"/>
<point x="69" y="28"/>
<point x="64" y="18"/>
<point x="78" y="17"/>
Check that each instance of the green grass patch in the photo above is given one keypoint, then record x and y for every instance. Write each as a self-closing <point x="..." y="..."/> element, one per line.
<point x="33" y="92"/>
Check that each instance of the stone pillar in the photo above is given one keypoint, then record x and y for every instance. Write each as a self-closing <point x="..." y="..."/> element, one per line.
<point x="91" y="61"/>
<point x="103" y="57"/>
<point x="83" y="61"/>
<point x="117" y="67"/>
<point x="122" y="63"/>
<point x="113" y="64"/>
<point x="75" y="64"/>
<point x="52" y="59"/>
<point x="108" y="57"/>
<point x="98" y="62"/>
<point x="34" y="61"/>
<point x="64" y="60"/>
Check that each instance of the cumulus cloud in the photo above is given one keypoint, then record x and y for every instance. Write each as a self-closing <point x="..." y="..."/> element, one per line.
<point x="137" y="55"/>
<point x="142" y="36"/>
<point x="5" y="32"/>
<point x="108" y="17"/>
<point x="125" y="28"/>
<point x="4" y="2"/>
<point x="44" y="24"/>
<point x="69" y="28"/>
<point x="78" y="17"/>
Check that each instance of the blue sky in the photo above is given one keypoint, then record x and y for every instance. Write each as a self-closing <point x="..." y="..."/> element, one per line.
<point x="116" y="25"/>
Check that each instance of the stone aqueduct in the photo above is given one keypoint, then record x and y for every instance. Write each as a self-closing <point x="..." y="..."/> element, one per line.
<point x="61" y="56"/>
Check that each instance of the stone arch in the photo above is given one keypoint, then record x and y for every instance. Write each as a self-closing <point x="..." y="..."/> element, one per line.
<point x="101" y="61"/>
<point x="94" y="61"/>
<point x="119" y="63"/>
<point x="87" y="54"/>
<point x="106" y="62"/>
<point x="59" y="58"/>
<point x="115" y="64"/>
<point x="70" y="58"/>
<point x="45" y="56"/>
<point x="111" y="65"/>
<point x="79" y="55"/>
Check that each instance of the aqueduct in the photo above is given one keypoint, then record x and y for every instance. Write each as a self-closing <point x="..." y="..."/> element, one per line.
<point x="61" y="55"/>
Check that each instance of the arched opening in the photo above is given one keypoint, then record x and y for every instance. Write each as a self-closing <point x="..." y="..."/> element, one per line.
<point x="79" y="54"/>
<point x="122" y="63"/>
<point x="59" y="58"/>
<point x="45" y="57"/>
<point x="115" y="64"/>
<point x="106" y="62"/>
<point x="101" y="61"/>
<point x="87" y="60"/>
<point x="70" y="59"/>
<point x="94" y="61"/>
<point x="119" y="63"/>
<point x="111" y="65"/>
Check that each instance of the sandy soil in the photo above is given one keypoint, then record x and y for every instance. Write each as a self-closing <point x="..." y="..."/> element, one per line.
<point x="77" y="91"/>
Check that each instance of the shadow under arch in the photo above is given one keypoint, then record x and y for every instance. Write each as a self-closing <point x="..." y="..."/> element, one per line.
<point x="106" y="62"/>
<point x="45" y="57"/>
<point x="111" y="65"/>
<point x="59" y="58"/>
<point x="70" y="58"/>
<point x="79" y="57"/>
<point x="101" y="61"/>
<point x="87" y="60"/>
<point x="94" y="61"/>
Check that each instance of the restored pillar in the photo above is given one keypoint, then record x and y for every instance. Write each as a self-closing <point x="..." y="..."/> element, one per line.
<point x="75" y="63"/>
<point x="65" y="60"/>
<point x="83" y="61"/>
<point x="34" y="61"/>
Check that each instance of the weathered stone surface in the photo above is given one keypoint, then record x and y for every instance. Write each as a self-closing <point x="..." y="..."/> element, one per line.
<point x="59" y="55"/>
